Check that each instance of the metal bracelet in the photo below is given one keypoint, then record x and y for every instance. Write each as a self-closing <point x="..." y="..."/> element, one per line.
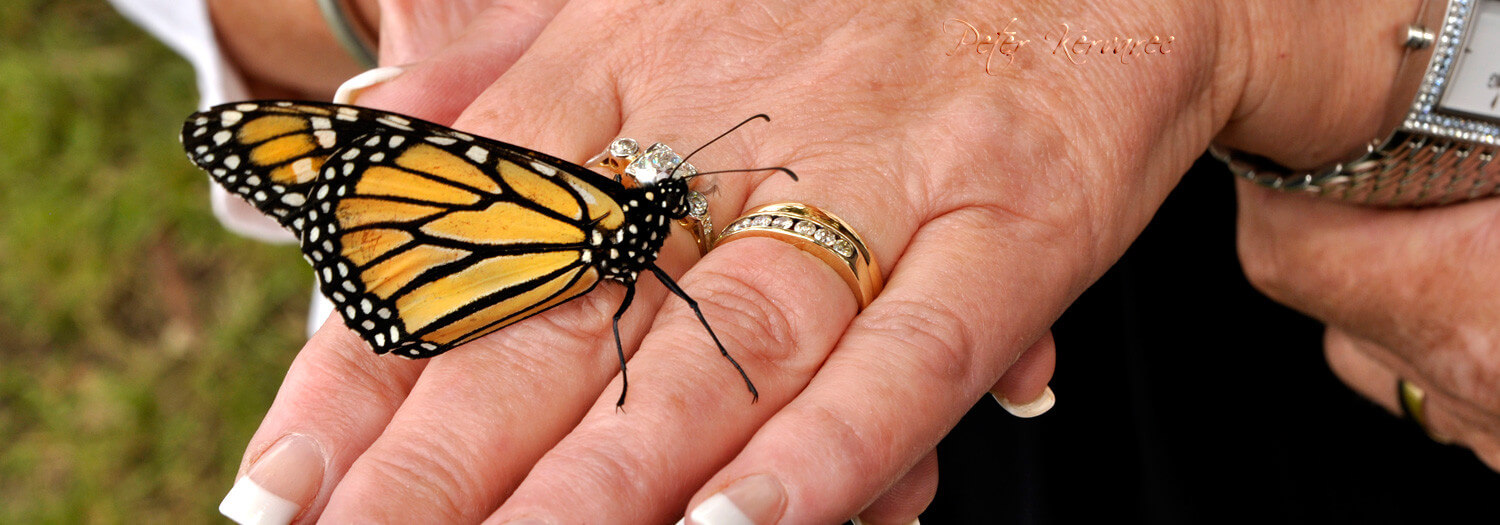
<point x="355" y="38"/>
<point x="1412" y="171"/>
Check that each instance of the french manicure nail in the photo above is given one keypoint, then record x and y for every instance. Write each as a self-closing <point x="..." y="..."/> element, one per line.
<point x="755" y="500"/>
<point x="1035" y="408"/>
<point x="281" y="483"/>
<point x="350" y="89"/>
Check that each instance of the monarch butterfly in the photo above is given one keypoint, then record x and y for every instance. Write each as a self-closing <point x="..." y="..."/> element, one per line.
<point x="426" y="237"/>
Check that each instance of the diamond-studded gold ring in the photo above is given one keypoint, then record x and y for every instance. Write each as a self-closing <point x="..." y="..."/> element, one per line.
<point x="632" y="165"/>
<point x="816" y="232"/>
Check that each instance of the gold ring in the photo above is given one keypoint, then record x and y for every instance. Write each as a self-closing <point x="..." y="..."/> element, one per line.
<point x="1413" y="402"/>
<point x="816" y="232"/>
<point x="620" y="159"/>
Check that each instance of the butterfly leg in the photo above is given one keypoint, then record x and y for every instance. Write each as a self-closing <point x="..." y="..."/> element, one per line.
<point x="620" y="347"/>
<point x="672" y="285"/>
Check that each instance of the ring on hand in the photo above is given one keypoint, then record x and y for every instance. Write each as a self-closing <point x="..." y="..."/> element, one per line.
<point x="655" y="162"/>
<point x="1413" y="402"/>
<point x="816" y="232"/>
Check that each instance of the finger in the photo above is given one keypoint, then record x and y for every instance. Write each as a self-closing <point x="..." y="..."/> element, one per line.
<point x="1315" y="256"/>
<point x="1023" y="390"/>
<point x="688" y="410"/>
<point x="336" y="399"/>
<point x="905" y="500"/>
<point x="906" y="370"/>
<point x="1364" y="366"/>
<point x="1360" y="365"/>
<point x="448" y="53"/>
<point x="469" y="428"/>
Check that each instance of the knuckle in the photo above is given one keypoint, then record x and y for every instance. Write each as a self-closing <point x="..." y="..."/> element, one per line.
<point x="858" y="450"/>
<point x="1258" y="258"/>
<point x="761" y="325"/>
<point x="936" y="332"/>
<point x="572" y="328"/>
<point x="432" y="473"/>
<point x="1289" y="270"/>
<point x="349" y="370"/>
<point x="1464" y="360"/>
<point x="596" y="469"/>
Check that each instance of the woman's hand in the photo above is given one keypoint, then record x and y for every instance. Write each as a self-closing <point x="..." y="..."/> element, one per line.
<point x="990" y="200"/>
<point x="1406" y="294"/>
<point x="283" y="48"/>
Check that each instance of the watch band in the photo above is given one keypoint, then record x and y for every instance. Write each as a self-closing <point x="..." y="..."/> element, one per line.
<point x="1410" y="170"/>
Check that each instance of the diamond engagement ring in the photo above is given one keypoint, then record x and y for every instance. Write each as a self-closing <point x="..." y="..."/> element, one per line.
<point x="816" y="232"/>
<point x="624" y="156"/>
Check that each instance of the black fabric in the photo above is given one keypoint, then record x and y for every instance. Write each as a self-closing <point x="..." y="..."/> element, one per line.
<point x="1184" y="396"/>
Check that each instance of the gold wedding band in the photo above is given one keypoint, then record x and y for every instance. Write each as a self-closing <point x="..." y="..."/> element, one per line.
<point x="657" y="161"/>
<point x="1413" y="402"/>
<point x="816" y="232"/>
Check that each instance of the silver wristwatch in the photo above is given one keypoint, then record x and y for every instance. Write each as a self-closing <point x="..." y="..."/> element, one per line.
<point x="1446" y="121"/>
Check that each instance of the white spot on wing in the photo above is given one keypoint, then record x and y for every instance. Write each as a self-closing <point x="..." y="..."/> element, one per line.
<point x="230" y="118"/>
<point x="543" y="168"/>
<point x="326" y="138"/>
<point x="477" y="154"/>
<point x="588" y="196"/>
<point x="394" y="122"/>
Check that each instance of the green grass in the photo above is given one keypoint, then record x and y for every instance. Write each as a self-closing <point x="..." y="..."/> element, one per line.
<point x="140" y="343"/>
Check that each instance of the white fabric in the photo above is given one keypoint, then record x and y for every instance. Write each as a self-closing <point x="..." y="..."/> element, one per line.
<point x="185" y="26"/>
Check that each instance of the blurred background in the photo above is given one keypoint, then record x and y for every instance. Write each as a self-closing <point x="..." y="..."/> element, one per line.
<point x="140" y="342"/>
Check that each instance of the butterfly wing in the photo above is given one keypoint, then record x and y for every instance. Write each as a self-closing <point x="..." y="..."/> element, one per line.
<point x="269" y="152"/>
<point x="427" y="241"/>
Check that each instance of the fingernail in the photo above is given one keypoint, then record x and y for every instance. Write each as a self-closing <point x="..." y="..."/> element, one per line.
<point x="859" y="521"/>
<point x="281" y="483"/>
<point x="529" y="520"/>
<point x="350" y="89"/>
<point x="1035" y="408"/>
<point x="755" y="500"/>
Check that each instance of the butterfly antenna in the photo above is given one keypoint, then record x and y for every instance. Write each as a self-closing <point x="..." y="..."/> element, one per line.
<point x="761" y="116"/>
<point x="787" y="171"/>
